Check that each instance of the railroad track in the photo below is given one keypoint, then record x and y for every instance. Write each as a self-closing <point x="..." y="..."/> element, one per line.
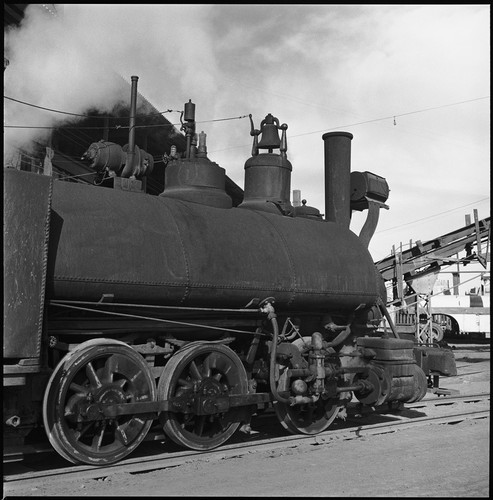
<point x="150" y="455"/>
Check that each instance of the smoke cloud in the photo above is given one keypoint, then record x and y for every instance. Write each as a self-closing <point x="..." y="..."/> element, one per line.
<point x="80" y="59"/>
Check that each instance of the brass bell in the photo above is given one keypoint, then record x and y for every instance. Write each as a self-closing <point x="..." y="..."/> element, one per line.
<point x="269" y="129"/>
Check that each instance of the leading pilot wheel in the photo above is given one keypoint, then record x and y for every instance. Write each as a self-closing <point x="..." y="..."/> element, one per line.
<point x="98" y="371"/>
<point x="195" y="371"/>
<point x="310" y="418"/>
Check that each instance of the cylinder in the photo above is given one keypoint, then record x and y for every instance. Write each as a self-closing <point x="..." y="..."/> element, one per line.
<point x="337" y="150"/>
<point x="267" y="181"/>
<point x="105" y="154"/>
<point x="198" y="180"/>
<point x="189" y="114"/>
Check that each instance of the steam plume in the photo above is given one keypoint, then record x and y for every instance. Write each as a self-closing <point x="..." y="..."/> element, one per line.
<point x="73" y="62"/>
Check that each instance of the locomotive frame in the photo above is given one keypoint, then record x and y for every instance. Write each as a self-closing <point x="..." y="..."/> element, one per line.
<point x="124" y="310"/>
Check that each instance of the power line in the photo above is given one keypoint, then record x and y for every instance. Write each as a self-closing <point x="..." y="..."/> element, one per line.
<point x="393" y="117"/>
<point x="83" y="115"/>
<point x="366" y="121"/>
<point x="117" y="127"/>
<point x="111" y="117"/>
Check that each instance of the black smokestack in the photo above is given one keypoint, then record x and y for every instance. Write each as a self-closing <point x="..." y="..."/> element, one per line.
<point x="337" y="146"/>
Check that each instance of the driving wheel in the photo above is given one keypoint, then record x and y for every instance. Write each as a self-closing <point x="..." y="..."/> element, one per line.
<point x="309" y="418"/>
<point x="100" y="371"/>
<point x="206" y="371"/>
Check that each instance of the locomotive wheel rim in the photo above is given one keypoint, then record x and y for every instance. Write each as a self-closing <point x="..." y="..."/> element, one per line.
<point x="96" y="372"/>
<point x="420" y="385"/>
<point x="193" y="367"/>
<point x="311" y="418"/>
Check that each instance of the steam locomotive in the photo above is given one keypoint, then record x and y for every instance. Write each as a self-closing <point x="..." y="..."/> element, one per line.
<point x="125" y="310"/>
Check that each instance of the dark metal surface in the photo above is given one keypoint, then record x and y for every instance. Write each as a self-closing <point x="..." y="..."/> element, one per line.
<point x="267" y="180"/>
<point x="337" y="151"/>
<point x="198" y="180"/>
<point x="367" y="184"/>
<point x="162" y="251"/>
<point x="394" y="374"/>
<point x="27" y="200"/>
<point x="179" y="405"/>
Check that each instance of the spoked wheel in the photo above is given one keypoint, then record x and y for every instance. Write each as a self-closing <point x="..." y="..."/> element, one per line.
<point x="310" y="418"/>
<point x="207" y="371"/>
<point x="104" y="372"/>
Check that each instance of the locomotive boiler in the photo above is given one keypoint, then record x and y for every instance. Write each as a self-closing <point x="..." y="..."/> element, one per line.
<point x="125" y="311"/>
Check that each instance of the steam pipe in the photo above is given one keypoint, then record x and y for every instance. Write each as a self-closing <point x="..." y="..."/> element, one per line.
<point x="337" y="148"/>
<point x="340" y="338"/>
<point x="291" y="400"/>
<point x="345" y="330"/>
<point x="129" y="164"/>
<point x="361" y="385"/>
<point x="272" y="365"/>
<point x="190" y="126"/>
<point x="383" y="308"/>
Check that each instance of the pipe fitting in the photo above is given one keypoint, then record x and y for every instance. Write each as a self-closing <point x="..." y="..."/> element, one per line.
<point x="299" y="387"/>
<point x="267" y="308"/>
<point x="317" y="341"/>
<point x="13" y="421"/>
<point x="303" y="400"/>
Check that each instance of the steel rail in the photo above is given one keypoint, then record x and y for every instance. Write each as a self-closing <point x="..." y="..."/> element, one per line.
<point x="139" y="464"/>
<point x="444" y="400"/>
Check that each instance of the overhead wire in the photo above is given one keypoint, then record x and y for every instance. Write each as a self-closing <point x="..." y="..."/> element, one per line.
<point x="393" y="117"/>
<point x="124" y="127"/>
<point x="390" y="117"/>
<point x="85" y="115"/>
<point x="68" y="128"/>
<point x="109" y="117"/>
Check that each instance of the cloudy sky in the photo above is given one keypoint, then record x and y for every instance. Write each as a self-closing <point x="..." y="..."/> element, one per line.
<point x="411" y="83"/>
